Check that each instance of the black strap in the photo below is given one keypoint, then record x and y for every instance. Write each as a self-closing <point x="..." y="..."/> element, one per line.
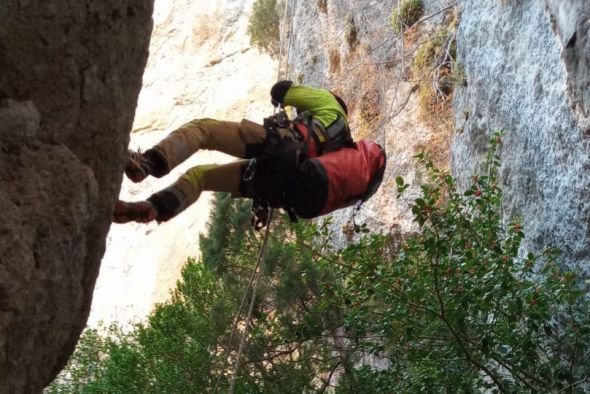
<point x="279" y="154"/>
<point x="260" y="212"/>
<point x="337" y="135"/>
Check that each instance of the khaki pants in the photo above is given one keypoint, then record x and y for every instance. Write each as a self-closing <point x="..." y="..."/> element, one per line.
<point x="228" y="137"/>
<point x="242" y="140"/>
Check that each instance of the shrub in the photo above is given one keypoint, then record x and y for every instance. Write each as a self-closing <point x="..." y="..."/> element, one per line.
<point x="435" y="67"/>
<point x="264" y="27"/>
<point x="459" y="306"/>
<point x="405" y="14"/>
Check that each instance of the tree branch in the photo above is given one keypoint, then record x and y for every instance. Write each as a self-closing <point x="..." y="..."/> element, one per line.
<point x="462" y="345"/>
<point x="327" y="381"/>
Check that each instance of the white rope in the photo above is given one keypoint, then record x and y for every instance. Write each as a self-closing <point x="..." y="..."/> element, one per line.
<point x="253" y="283"/>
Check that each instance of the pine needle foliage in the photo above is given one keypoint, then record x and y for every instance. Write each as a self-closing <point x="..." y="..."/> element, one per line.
<point x="264" y="26"/>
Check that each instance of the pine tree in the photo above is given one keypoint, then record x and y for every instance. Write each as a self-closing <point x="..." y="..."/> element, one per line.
<point x="264" y="27"/>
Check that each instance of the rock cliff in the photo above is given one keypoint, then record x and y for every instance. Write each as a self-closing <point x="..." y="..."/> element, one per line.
<point x="70" y="74"/>
<point x="526" y="64"/>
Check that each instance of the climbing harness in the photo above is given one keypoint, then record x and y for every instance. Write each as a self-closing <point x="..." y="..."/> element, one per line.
<point x="285" y="148"/>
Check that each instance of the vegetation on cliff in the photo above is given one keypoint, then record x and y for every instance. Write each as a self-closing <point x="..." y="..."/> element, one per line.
<point x="264" y="27"/>
<point x="456" y="307"/>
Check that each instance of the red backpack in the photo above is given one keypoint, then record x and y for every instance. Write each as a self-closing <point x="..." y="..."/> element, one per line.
<point x="336" y="179"/>
<point x="325" y="180"/>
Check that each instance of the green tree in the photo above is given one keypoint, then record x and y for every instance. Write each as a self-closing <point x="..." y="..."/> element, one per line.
<point x="458" y="306"/>
<point x="181" y="346"/>
<point x="264" y="26"/>
<point x="228" y="232"/>
<point x="173" y="352"/>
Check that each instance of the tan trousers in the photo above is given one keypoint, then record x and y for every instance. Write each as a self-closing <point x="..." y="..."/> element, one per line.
<point x="227" y="137"/>
<point x="232" y="138"/>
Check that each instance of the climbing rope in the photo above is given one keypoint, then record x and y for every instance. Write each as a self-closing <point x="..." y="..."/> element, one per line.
<point x="254" y="285"/>
<point x="253" y="282"/>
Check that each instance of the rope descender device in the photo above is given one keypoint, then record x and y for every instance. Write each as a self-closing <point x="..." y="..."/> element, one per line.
<point x="250" y="170"/>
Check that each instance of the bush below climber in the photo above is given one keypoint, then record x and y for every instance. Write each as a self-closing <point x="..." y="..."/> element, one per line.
<point x="309" y="166"/>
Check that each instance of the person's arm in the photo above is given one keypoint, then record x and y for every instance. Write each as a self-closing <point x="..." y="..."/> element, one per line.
<point x="320" y="102"/>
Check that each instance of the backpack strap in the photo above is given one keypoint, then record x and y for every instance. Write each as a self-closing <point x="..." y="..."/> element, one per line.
<point x="337" y="135"/>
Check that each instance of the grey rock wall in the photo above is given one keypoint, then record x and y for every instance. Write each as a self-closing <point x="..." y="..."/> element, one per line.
<point x="570" y="19"/>
<point x="373" y="74"/>
<point x="526" y="64"/>
<point x="70" y="74"/>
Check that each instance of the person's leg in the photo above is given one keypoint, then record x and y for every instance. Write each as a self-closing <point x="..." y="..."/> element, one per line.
<point x="167" y="203"/>
<point x="243" y="140"/>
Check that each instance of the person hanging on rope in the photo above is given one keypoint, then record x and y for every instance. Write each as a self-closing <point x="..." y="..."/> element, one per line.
<point x="308" y="166"/>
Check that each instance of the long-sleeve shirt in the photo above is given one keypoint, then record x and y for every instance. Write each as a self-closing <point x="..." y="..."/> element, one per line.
<point x="320" y="102"/>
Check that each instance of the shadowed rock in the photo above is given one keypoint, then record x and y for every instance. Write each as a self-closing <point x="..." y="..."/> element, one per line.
<point x="70" y="74"/>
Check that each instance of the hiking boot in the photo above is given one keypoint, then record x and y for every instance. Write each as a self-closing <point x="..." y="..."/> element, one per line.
<point x="140" y="212"/>
<point x="138" y="166"/>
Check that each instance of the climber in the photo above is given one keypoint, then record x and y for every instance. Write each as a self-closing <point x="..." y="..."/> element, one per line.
<point x="309" y="166"/>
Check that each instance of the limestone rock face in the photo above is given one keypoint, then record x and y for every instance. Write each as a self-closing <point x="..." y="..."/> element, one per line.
<point x="526" y="64"/>
<point x="351" y="48"/>
<point x="70" y="74"/>
<point x="527" y="71"/>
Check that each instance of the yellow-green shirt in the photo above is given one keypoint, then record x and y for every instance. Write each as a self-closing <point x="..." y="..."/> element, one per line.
<point x="320" y="102"/>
